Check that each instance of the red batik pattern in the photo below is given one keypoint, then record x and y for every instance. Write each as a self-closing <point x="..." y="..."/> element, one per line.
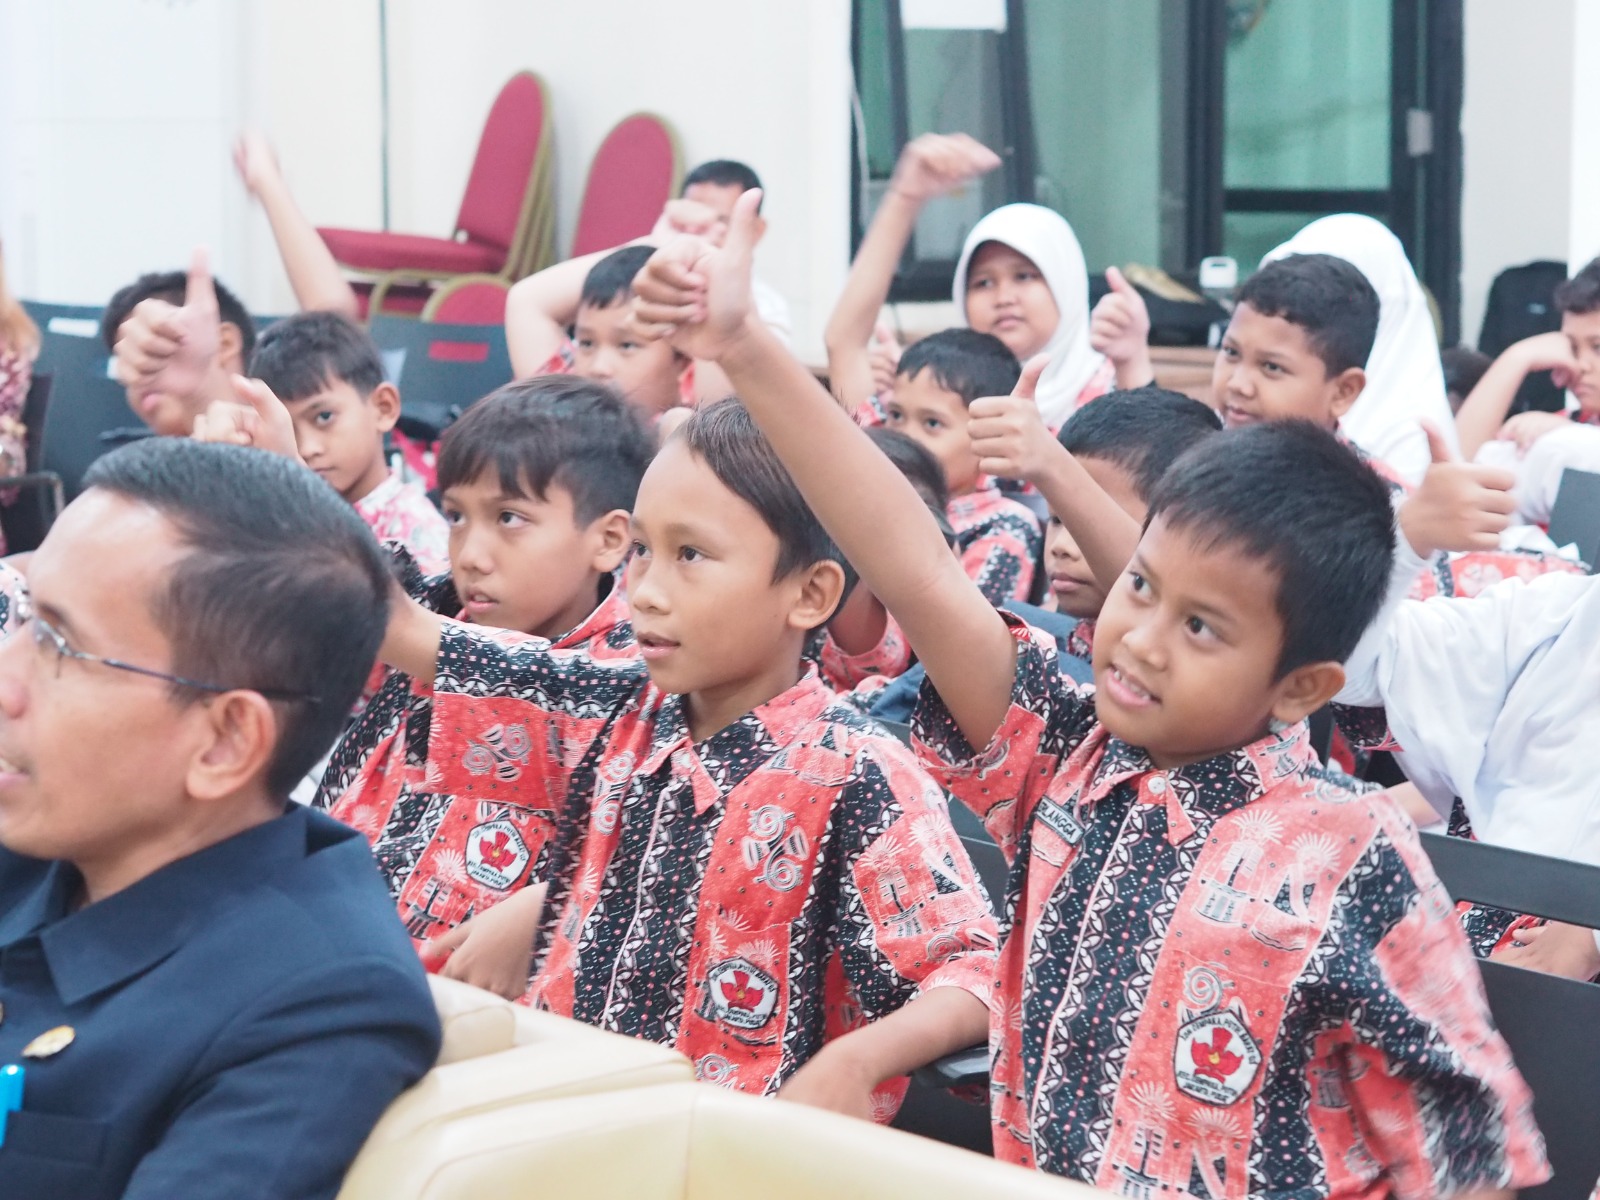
<point x="999" y="541"/>
<point x="842" y="672"/>
<point x="742" y="898"/>
<point x="397" y="511"/>
<point x="1232" y="979"/>
<point x="447" y="858"/>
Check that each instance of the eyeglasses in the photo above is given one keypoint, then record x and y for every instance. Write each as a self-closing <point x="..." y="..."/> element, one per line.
<point x="47" y="636"/>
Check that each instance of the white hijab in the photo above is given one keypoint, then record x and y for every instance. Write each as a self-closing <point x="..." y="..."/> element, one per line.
<point x="1405" y="383"/>
<point x="1044" y="236"/>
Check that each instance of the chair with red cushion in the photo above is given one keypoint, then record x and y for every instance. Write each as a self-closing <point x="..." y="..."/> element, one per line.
<point x="634" y="173"/>
<point x="504" y="212"/>
<point x="469" y="300"/>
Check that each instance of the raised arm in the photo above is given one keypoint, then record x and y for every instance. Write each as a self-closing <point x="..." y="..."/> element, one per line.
<point x="1011" y="441"/>
<point x="700" y="296"/>
<point x="319" y="285"/>
<point x="1484" y="410"/>
<point x="1119" y="328"/>
<point x="930" y="166"/>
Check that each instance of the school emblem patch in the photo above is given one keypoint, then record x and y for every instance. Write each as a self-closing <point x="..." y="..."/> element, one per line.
<point x="741" y="993"/>
<point x="1215" y="1059"/>
<point x="496" y="854"/>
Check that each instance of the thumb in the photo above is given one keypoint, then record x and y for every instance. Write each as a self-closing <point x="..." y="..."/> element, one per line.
<point x="258" y="396"/>
<point x="1118" y="282"/>
<point x="1029" y="382"/>
<point x="882" y="334"/>
<point x="199" y="292"/>
<point x="743" y="227"/>
<point x="1439" y="450"/>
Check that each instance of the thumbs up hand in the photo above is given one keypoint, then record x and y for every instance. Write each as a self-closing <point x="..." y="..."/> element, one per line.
<point x="1119" y="328"/>
<point x="166" y="351"/>
<point x="1008" y="434"/>
<point x="697" y="294"/>
<point x="1457" y="506"/>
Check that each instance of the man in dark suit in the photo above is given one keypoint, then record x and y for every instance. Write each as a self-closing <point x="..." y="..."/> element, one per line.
<point x="205" y="987"/>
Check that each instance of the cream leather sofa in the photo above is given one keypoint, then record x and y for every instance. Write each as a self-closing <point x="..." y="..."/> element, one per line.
<point x="526" y="1106"/>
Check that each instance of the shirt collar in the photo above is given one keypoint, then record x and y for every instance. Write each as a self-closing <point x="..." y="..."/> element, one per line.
<point x="105" y="943"/>
<point x="380" y="497"/>
<point x="1197" y="792"/>
<point x="724" y="760"/>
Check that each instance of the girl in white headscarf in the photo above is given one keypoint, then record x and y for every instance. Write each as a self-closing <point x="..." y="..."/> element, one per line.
<point x="1022" y="278"/>
<point x="1405" y="382"/>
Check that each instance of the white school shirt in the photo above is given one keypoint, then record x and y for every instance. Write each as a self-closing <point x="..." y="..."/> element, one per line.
<point x="1539" y="471"/>
<point x="1496" y="699"/>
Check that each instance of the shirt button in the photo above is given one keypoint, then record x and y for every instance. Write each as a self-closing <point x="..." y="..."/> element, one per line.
<point x="1158" y="784"/>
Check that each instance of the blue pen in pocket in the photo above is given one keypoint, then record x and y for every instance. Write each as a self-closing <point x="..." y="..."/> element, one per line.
<point x="11" y="1077"/>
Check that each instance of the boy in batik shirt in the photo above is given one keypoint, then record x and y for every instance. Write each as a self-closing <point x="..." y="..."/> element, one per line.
<point x="1223" y="975"/>
<point x="538" y="480"/>
<point x="741" y="868"/>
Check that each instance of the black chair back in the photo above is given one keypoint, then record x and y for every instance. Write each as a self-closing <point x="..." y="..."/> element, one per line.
<point x="88" y="413"/>
<point x="1575" y="516"/>
<point x="1548" y="1022"/>
<point x="27" y="519"/>
<point x="441" y="370"/>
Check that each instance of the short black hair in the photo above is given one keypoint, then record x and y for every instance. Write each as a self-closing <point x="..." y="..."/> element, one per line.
<point x="1463" y="367"/>
<point x="552" y="430"/>
<point x="963" y="361"/>
<point x="1326" y="296"/>
<point x="1142" y="430"/>
<point x="309" y="352"/>
<point x="916" y="462"/>
<point x="610" y="280"/>
<point x="283" y="590"/>
<point x="1289" y="493"/>
<point x="726" y="438"/>
<point x="1581" y="293"/>
<point x="722" y="172"/>
<point x="170" y="286"/>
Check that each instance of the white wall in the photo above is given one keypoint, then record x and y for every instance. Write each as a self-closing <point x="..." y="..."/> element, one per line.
<point x="1583" y="242"/>
<point x="119" y="115"/>
<point x="1519" y="140"/>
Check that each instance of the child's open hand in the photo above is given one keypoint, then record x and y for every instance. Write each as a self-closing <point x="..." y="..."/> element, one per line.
<point x="166" y="351"/>
<point x="1547" y="352"/>
<point x="1008" y="434"/>
<point x="1528" y="427"/>
<point x="254" y="160"/>
<point x="937" y="163"/>
<point x="493" y="950"/>
<point x="1120" y="326"/>
<point x="255" y="417"/>
<point x="696" y="294"/>
<point x="1458" y="506"/>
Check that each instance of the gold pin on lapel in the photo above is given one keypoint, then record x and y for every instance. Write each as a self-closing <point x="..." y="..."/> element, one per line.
<point x="51" y="1042"/>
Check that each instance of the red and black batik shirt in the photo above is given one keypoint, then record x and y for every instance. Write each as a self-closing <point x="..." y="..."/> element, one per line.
<point x="741" y="898"/>
<point x="1233" y="979"/>
<point x="446" y="858"/>
<point x="998" y="540"/>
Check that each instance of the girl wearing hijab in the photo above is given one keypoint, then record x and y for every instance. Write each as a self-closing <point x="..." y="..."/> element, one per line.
<point x="1405" y="381"/>
<point x="1021" y="277"/>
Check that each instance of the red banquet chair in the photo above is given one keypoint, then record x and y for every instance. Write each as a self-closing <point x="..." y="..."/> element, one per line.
<point x="634" y="173"/>
<point x="469" y="300"/>
<point x="505" y="222"/>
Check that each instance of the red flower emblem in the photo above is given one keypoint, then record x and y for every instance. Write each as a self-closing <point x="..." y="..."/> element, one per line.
<point x="496" y="851"/>
<point x="741" y="992"/>
<point x="1215" y="1061"/>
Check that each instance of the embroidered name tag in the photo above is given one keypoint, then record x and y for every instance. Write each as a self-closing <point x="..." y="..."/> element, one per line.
<point x="1060" y="822"/>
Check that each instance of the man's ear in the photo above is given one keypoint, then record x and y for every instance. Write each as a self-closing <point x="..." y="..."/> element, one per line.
<point x="385" y="400"/>
<point x="820" y="587"/>
<point x="608" y="540"/>
<point x="1305" y="689"/>
<point x="230" y="348"/>
<point x="239" y="737"/>
<point x="1347" y="388"/>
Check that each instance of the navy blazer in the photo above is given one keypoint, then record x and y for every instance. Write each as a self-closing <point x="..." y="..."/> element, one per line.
<point x="243" y="1017"/>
